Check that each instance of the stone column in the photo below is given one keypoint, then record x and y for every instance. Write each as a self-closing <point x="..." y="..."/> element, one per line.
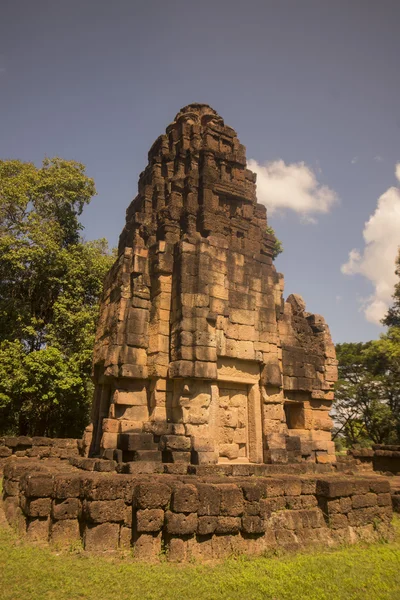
<point x="255" y="424"/>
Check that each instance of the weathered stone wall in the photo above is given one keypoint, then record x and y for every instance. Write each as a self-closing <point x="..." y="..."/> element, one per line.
<point x="190" y="517"/>
<point x="198" y="358"/>
<point x="386" y="458"/>
<point x="38" y="447"/>
<point x="381" y="457"/>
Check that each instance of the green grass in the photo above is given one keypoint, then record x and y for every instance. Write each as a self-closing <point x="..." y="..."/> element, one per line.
<point x="349" y="573"/>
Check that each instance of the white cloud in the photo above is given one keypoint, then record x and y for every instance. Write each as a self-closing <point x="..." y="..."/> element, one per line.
<point x="354" y="160"/>
<point x="378" y="158"/>
<point x="294" y="187"/>
<point x="377" y="261"/>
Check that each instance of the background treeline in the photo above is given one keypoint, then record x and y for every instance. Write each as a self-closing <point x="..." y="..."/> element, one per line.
<point x="367" y="396"/>
<point x="50" y="283"/>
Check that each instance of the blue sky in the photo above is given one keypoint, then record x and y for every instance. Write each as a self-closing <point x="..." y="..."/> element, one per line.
<point x="311" y="87"/>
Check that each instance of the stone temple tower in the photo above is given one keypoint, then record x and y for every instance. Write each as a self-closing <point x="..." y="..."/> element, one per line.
<point x="198" y="358"/>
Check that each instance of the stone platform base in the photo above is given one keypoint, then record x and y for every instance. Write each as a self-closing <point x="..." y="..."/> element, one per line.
<point x="182" y="468"/>
<point x="190" y="517"/>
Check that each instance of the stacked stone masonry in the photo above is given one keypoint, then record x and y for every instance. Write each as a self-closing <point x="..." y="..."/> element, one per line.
<point x="381" y="458"/>
<point x="384" y="459"/>
<point x="39" y="447"/>
<point x="198" y="358"/>
<point x="191" y="517"/>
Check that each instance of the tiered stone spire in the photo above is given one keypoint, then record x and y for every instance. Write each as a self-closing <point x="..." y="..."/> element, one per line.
<point x="197" y="356"/>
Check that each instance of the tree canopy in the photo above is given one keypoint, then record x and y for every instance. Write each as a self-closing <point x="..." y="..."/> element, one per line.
<point x="50" y="283"/>
<point x="367" y="398"/>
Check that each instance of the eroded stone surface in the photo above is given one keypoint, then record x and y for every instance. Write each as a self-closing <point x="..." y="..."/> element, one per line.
<point x="198" y="358"/>
<point x="191" y="517"/>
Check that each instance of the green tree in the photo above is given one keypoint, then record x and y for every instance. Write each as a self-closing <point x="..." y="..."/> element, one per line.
<point x="363" y="411"/>
<point x="50" y="282"/>
<point x="392" y="319"/>
<point x="367" y="405"/>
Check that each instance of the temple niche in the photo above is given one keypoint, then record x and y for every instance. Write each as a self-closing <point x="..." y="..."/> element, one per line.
<point x="198" y="358"/>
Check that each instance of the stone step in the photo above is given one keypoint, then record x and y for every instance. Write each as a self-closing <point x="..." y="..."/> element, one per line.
<point x="169" y="456"/>
<point x="136" y="441"/>
<point x="175" y="443"/>
<point x="147" y="455"/>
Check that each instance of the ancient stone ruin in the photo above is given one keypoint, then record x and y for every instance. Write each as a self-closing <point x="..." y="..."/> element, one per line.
<point x="198" y="358"/>
<point x="210" y="430"/>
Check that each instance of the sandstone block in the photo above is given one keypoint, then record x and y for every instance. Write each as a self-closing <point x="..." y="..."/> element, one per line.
<point x="185" y="499"/>
<point x="243" y="317"/>
<point x="207" y="458"/>
<point x="228" y="525"/>
<point x="292" y="487"/>
<point x="109" y="440"/>
<point x="384" y="499"/>
<point x="41" y="441"/>
<point x="99" y="486"/>
<point x="177" y="456"/>
<point x="67" y="486"/>
<point x="101" y="538"/>
<point x="274" y="488"/>
<point x="133" y="397"/>
<point x="205" y="353"/>
<point x="110" y="426"/>
<point x="181" y="368"/>
<point x="253" y="491"/>
<point x="364" y="500"/>
<point x="240" y="436"/>
<point x="149" y="520"/>
<point x="205" y="370"/>
<point x="37" y="485"/>
<point x="10" y="487"/>
<point x="209" y="499"/>
<point x="338" y="521"/>
<point x="230" y="451"/>
<point x="39" y="507"/>
<point x="134" y="371"/>
<point x="152" y="495"/>
<point x="231" y="500"/>
<point x="66" y="509"/>
<point x="181" y="524"/>
<point x="309" y="501"/>
<point x="206" y="525"/>
<point x="379" y="486"/>
<point x="126" y="426"/>
<point x="252" y="524"/>
<point x="175" y="442"/>
<point x="143" y="467"/>
<point x="334" y="488"/>
<point x="202" y="444"/>
<point x="102" y="511"/>
<point x="137" y="441"/>
<point x="176" y="550"/>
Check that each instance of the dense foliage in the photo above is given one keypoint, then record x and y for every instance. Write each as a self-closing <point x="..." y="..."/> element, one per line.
<point x="367" y="405"/>
<point x="50" y="282"/>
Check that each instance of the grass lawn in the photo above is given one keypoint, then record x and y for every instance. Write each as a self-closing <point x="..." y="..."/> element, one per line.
<point x="355" y="572"/>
